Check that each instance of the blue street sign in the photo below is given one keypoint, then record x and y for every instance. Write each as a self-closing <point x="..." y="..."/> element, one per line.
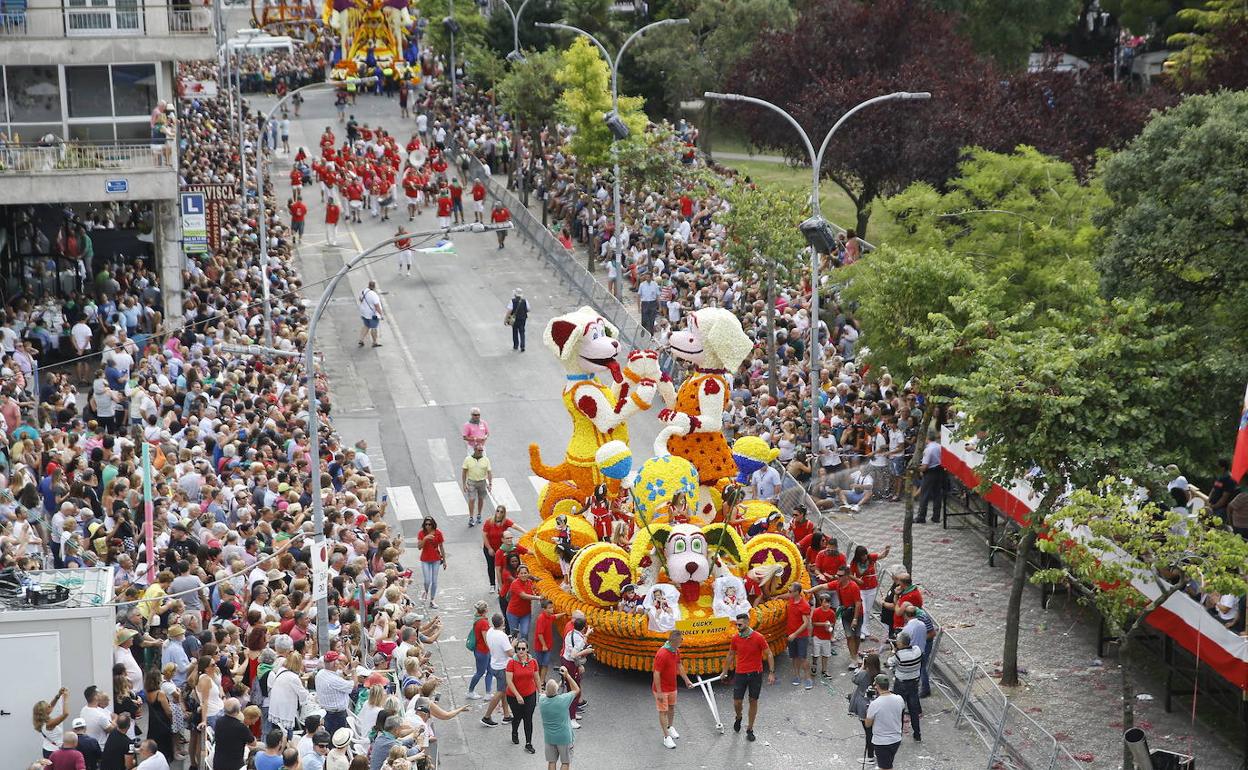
<point x="117" y="186"/>
<point x="192" y="203"/>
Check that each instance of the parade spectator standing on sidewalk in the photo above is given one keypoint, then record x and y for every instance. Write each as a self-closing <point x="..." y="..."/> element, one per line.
<point x="667" y="667"/>
<point x="933" y="485"/>
<point x="648" y="302"/>
<point x="906" y="662"/>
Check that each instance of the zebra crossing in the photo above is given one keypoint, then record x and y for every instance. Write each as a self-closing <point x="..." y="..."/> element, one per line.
<point x="448" y="498"/>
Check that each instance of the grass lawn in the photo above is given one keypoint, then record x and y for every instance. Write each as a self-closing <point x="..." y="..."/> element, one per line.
<point x="836" y="205"/>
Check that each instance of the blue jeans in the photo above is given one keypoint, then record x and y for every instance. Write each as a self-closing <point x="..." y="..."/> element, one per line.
<point x="483" y="667"/>
<point x="429" y="569"/>
<point x="520" y="625"/>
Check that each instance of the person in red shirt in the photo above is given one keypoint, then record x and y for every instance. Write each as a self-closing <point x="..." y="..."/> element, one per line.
<point x="522" y="671"/>
<point x="823" y="630"/>
<point x="801" y="526"/>
<point x="432" y="554"/>
<point x="296" y="179"/>
<point x="492" y="533"/>
<point x="520" y="598"/>
<point x="667" y="667"/>
<point x="862" y="568"/>
<point x="851" y="612"/>
<point x="903" y="592"/>
<point x="478" y="201"/>
<point x="457" y="201"/>
<point x="481" y="653"/>
<point x="686" y="205"/>
<point x="829" y="561"/>
<point x="332" y="212"/>
<point x="411" y="191"/>
<point x="444" y="208"/>
<point x="745" y="655"/>
<point x="404" y="246"/>
<point x="298" y="211"/>
<point x="797" y="626"/>
<point x="499" y="215"/>
<point x="544" y="637"/>
<point x="355" y="198"/>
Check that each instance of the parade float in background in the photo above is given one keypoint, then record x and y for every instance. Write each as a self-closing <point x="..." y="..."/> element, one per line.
<point x="372" y="35"/>
<point x="673" y="525"/>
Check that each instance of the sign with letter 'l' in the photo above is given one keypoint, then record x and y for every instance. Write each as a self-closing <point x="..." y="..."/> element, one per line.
<point x="194" y="223"/>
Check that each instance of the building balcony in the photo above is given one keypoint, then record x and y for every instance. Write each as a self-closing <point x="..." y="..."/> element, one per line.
<point x="99" y="31"/>
<point x="59" y="172"/>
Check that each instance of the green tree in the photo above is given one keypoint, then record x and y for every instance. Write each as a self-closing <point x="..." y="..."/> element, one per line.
<point x="720" y="34"/>
<point x="1063" y="399"/>
<point x="471" y="29"/>
<point x="1022" y="220"/>
<point x="1009" y="30"/>
<point x="1111" y="543"/>
<point x="1196" y="47"/>
<point x="1177" y="228"/>
<point x="763" y="241"/>
<point x="896" y="293"/>
<point x="481" y="63"/>
<point x="586" y="81"/>
<point x="531" y="89"/>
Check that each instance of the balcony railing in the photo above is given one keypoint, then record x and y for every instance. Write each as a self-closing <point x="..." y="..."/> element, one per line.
<point x="117" y="18"/>
<point x="81" y="156"/>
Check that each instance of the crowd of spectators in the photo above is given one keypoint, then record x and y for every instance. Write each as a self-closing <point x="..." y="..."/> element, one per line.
<point x="218" y="636"/>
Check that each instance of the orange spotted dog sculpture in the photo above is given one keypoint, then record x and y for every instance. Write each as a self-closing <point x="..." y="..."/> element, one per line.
<point x="714" y="343"/>
<point x="586" y="344"/>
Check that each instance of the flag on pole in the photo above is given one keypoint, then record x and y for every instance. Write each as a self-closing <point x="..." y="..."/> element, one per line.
<point x="444" y="246"/>
<point x="1240" y="464"/>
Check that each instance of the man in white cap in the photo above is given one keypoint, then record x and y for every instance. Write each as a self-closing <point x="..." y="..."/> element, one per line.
<point x="88" y="747"/>
<point x="517" y="316"/>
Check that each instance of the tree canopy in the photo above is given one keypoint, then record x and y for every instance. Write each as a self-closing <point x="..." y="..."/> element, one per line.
<point x="1008" y="30"/>
<point x="586" y="81"/>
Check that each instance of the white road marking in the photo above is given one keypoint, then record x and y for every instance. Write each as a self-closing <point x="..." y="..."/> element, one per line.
<point x="443" y="468"/>
<point x="404" y="504"/>
<point x="452" y="497"/>
<point x="538" y="483"/>
<point x="503" y="495"/>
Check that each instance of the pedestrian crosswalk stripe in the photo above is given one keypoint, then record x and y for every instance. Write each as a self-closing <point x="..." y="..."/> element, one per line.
<point x="404" y="504"/>
<point x="538" y="484"/>
<point x="452" y="497"/>
<point x="503" y="495"/>
<point x="443" y="468"/>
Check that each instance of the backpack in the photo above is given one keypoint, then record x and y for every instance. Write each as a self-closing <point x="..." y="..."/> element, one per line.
<point x="471" y="641"/>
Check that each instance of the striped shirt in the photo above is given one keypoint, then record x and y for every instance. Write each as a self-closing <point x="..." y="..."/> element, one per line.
<point x="907" y="662"/>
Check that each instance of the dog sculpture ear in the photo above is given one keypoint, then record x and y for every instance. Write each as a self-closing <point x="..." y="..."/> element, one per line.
<point x="723" y="539"/>
<point x="660" y="534"/>
<point x="561" y="331"/>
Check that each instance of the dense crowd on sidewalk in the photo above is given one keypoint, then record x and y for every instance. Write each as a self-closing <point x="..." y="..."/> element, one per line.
<point x="216" y="629"/>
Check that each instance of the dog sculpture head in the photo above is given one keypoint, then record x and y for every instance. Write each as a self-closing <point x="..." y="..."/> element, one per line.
<point x="713" y="338"/>
<point x="585" y="342"/>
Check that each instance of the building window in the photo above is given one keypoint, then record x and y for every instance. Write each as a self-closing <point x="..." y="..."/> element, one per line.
<point x="88" y="92"/>
<point x="36" y="94"/>
<point x="134" y="89"/>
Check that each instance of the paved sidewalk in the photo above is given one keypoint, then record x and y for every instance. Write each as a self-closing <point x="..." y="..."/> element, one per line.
<point x="1065" y="687"/>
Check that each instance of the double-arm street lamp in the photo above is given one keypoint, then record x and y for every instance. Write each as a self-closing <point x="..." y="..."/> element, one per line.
<point x="618" y="129"/>
<point x="817" y="230"/>
<point x="309" y="362"/>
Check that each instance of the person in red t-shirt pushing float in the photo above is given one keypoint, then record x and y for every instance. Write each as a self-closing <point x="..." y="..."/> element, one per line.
<point x="745" y="654"/>
<point x="667" y="667"/>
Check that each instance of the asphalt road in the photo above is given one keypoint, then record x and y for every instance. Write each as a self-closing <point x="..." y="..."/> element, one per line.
<point x="445" y="349"/>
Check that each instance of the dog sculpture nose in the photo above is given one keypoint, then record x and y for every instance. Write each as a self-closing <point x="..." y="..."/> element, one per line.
<point x="691" y="568"/>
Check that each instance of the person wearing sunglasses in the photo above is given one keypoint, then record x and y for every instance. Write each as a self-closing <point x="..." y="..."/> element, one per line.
<point x="522" y="671"/>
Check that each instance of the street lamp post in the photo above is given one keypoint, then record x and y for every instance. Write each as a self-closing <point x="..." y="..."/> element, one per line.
<point x="309" y="362"/>
<point x="262" y="219"/>
<point x="615" y="111"/>
<point x="816" y="228"/>
<point x="515" y="54"/>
